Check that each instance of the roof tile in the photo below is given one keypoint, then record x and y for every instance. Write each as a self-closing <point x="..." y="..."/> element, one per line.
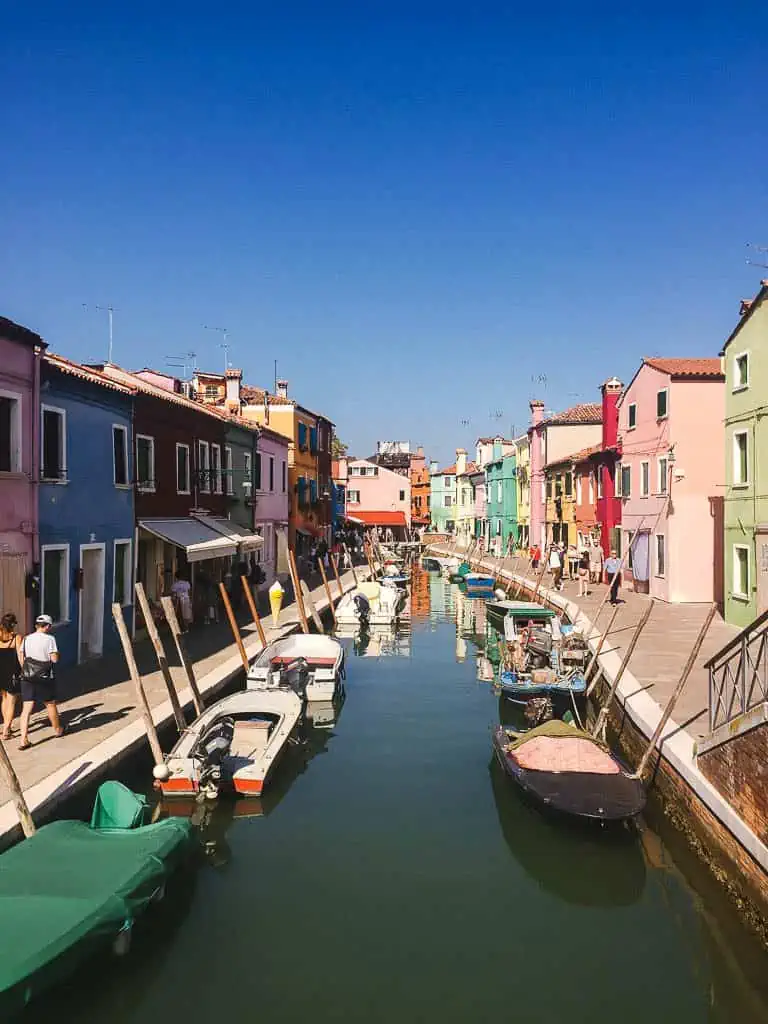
<point x="585" y="412"/>
<point x="688" y="367"/>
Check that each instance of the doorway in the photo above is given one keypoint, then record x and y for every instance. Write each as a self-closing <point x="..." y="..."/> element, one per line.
<point x="640" y="554"/>
<point x="91" y="633"/>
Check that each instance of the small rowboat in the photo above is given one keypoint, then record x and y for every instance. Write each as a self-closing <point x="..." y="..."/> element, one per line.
<point x="569" y="771"/>
<point x="319" y="661"/>
<point x="478" y="584"/>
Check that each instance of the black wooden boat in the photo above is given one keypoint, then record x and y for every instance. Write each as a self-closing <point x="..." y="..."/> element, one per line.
<point x="569" y="771"/>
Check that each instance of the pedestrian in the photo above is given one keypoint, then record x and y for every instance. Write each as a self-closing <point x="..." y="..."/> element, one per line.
<point x="37" y="656"/>
<point x="613" y="572"/>
<point x="574" y="560"/>
<point x="181" y="595"/>
<point x="535" y="556"/>
<point x="555" y="566"/>
<point x="595" y="562"/>
<point x="10" y="675"/>
<point x="583" y="574"/>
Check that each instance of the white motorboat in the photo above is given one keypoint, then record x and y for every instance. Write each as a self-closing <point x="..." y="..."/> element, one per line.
<point x="311" y="663"/>
<point x="234" y="745"/>
<point x="370" y="604"/>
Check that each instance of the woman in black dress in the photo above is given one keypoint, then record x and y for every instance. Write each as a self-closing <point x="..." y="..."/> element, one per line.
<point x="10" y="679"/>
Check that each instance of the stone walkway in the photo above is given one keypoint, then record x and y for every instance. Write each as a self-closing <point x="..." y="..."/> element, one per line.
<point x="98" y="701"/>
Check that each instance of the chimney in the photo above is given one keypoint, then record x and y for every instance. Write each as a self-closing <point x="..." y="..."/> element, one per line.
<point x="461" y="461"/>
<point x="433" y="467"/>
<point x="611" y="391"/>
<point x="282" y="388"/>
<point x="233" y="379"/>
<point x="537" y="411"/>
<point x="420" y="451"/>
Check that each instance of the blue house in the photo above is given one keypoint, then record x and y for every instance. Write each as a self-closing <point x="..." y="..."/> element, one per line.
<point x="86" y="507"/>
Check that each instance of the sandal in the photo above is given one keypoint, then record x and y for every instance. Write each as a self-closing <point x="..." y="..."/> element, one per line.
<point x="60" y="732"/>
<point x="25" y="746"/>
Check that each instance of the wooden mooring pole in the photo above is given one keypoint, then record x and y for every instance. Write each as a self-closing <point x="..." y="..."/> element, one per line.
<point x="321" y="567"/>
<point x="17" y="793"/>
<point x="234" y="626"/>
<point x="351" y="565"/>
<point x="181" y="648"/>
<point x="298" y="596"/>
<point x="602" y="718"/>
<point x="254" y="610"/>
<point x="141" y="697"/>
<point x="676" y="693"/>
<point x="306" y="595"/>
<point x="162" y="659"/>
<point x="598" y="649"/>
<point x="335" y="564"/>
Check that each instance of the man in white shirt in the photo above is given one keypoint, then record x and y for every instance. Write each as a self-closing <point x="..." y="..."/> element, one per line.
<point x="39" y="653"/>
<point x="555" y="565"/>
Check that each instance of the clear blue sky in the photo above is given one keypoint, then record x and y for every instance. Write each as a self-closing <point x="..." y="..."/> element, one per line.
<point x="417" y="209"/>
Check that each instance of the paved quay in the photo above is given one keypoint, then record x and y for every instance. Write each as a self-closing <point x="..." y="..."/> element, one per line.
<point x="98" y="707"/>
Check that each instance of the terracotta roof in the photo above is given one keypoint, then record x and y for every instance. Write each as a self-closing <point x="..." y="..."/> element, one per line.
<point x="471" y="468"/>
<point x="448" y="471"/>
<point x="687" y="367"/>
<point x="87" y="373"/>
<point x="257" y="396"/>
<point x="139" y="384"/>
<point x="15" y="332"/>
<point x="580" y="456"/>
<point x="748" y="307"/>
<point x="585" y="412"/>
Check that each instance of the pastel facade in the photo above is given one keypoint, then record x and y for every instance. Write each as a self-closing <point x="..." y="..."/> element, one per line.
<point x="420" y="490"/>
<point x="670" y="423"/>
<point x="523" y="452"/>
<point x="501" y="500"/>
<point x="477" y="479"/>
<point x="465" y="498"/>
<point x="86" y="507"/>
<point x="270" y="501"/>
<point x="609" y="508"/>
<point x="560" y="488"/>
<point x="377" y="496"/>
<point x="20" y="355"/>
<point x="745" y="359"/>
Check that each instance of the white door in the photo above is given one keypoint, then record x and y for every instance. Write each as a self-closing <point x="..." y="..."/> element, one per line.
<point x="92" y="601"/>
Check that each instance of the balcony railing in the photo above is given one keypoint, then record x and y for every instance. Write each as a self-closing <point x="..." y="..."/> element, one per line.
<point x="738" y="674"/>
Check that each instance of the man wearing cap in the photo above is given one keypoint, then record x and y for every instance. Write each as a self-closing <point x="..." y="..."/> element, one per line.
<point x="37" y="655"/>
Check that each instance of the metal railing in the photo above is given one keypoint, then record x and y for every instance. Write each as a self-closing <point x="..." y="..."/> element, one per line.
<point x="738" y="674"/>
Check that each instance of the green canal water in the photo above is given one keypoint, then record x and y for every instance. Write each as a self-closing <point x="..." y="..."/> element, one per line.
<point x="394" y="874"/>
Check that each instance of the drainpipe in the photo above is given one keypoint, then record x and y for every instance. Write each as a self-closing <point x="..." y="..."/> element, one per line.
<point x="34" y="476"/>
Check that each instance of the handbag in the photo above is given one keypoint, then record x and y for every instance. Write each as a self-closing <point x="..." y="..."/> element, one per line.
<point x="33" y="669"/>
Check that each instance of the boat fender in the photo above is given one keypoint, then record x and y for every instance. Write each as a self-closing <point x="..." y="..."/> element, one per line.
<point x="161" y="772"/>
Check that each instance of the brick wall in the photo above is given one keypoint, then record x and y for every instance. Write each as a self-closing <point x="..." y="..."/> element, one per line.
<point x="738" y="769"/>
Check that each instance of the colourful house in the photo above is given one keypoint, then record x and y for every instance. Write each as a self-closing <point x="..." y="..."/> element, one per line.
<point x="465" y="498"/>
<point x="560" y="520"/>
<point x="420" y="490"/>
<point x="487" y="450"/>
<point x="477" y="479"/>
<point x="20" y="354"/>
<point x="523" y="452"/>
<point x="670" y="423"/>
<point x="442" y="498"/>
<point x="501" y="500"/>
<point x="377" y="496"/>
<point x="745" y="358"/>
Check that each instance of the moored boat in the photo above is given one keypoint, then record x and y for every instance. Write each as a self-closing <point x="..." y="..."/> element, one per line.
<point x="519" y="613"/>
<point x="370" y="604"/>
<point x="74" y="888"/>
<point x="311" y="663"/>
<point x="478" y="584"/>
<point x="569" y="771"/>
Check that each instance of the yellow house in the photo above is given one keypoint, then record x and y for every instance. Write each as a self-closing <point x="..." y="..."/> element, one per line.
<point x="523" y="463"/>
<point x="561" y="502"/>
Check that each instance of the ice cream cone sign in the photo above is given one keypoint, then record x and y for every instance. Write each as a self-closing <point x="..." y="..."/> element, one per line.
<point x="276" y="594"/>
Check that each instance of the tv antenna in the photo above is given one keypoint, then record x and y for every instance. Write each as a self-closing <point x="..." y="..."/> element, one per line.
<point x="187" y="362"/>
<point x="109" y="310"/>
<point x="762" y="250"/>
<point x="224" y="344"/>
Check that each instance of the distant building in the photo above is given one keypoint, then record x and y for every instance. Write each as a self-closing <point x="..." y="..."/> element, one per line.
<point x="376" y="496"/>
<point x="420" y="489"/>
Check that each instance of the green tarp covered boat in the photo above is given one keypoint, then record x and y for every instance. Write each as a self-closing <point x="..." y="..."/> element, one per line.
<point x="73" y="888"/>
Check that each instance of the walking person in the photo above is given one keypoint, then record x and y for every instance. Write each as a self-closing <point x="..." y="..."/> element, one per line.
<point x="181" y="595"/>
<point x="555" y="566"/>
<point x="613" y="572"/>
<point x="583" y="574"/>
<point x="37" y="656"/>
<point x="10" y="674"/>
<point x="595" y="562"/>
<point x="535" y="556"/>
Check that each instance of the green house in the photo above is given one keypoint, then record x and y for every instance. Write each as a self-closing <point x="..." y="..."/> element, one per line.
<point x="442" y="498"/>
<point x="501" y="500"/>
<point x="745" y="355"/>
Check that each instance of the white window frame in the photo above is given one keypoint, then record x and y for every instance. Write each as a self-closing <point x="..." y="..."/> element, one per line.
<point x="188" y="488"/>
<point x="631" y="409"/>
<point x="17" y="429"/>
<point x="146" y="488"/>
<point x="664" y="391"/>
<point x="64" y="576"/>
<point x="126" y="598"/>
<point x="617" y="479"/>
<point x="734" y="454"/>
<point x="663" y="538"/>
<point x="736" y="385"/>
<point x="229" y="480"/>
<point x="204" y="470"/>
<point x="216" y="471"/>
<point x="645" y="478"/>
<point x="599" y="475"/>
<point x="738" y="593"/>
<point x="126" y="456"/>
<point x="247" y="473"/>
<point x="62" y="413"/>
<point x="353" y="497"/>
<point x="499" y="492"/>
<point x="447" y="501"/>
<point x="662" y="475"/>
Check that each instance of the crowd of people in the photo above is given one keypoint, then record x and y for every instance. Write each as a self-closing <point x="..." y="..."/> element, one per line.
<point x="586" y="565"/>
<point x="27" y="675"/>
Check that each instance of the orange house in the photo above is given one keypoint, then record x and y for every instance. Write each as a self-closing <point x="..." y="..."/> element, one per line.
<point x="420" y="490"/>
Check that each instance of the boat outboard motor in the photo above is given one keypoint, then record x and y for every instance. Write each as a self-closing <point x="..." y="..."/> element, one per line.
<point x="363" y="608"/>
<point x="296" y="675"/>
<point x="213" y="747"/>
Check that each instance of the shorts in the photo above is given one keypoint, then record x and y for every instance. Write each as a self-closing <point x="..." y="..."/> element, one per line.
<point x="41" y="691"/>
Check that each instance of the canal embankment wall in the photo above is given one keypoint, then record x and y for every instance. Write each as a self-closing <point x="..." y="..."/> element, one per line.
<point x="715" y="828"/>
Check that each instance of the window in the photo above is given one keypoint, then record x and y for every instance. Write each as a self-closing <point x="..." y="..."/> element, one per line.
<point x="353" y="497"/>
<point x="578" y="489"/>
<point x="203" y="466"/>
<point x="498" y="490"/>
<point x="54" y="444"/>
<point x="626" y="481"/>
<point x="229" y="483"/>
<point x="447" y="500"/>
<point x="741" y="371"/>
<point x="10" y="432"/>
<point x="592" y="487"/>
<point x="145" y="462"/>
<point x="631" y="416"/>
<point x="182" y="470"/>
<point x="120" y="455"/>
<point x="216" y="468"/>
<point x="549" y="487"/>
<point x="645" y="479"/>
<point x="740" y="571"/>
<point x="303" y="436"/>
<point x="661" y="555"/>
<point x="271" y="472"/>
<point x="211" y="391"/>
<point x="54" y="582"/>
<point x="498" y="527"/>
<point x="283" y="469"/>
<point x="247" y="474"/>
<point x="663" y="474"/>
<point x="354" y="471"/>
<point x="313" y="440"/>
<point x="617" y="484"/>
<point x="402" y="495"/>
<point x="449" y="481"/>
<point x="121" y="588"/>
<point x="257" y="474"/>
<point x="569" y="485"/>
<point x="740" y="458"/>
<point x="662" y="404"/>
<point x="599" y="474"/>
<point x="558" y="486"/>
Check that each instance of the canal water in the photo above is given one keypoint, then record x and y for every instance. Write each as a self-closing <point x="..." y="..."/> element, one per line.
<point x="393" y="874"/>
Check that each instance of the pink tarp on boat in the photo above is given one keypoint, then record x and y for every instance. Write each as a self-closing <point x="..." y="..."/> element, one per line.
<point x="564" y="754"/>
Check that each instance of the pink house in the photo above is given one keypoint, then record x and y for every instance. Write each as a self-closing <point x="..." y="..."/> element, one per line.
<point x="670" y="478"/>
<point x="377" y="496"/>
<point x="20" y="353"/>
<point x="271" y="507"/>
